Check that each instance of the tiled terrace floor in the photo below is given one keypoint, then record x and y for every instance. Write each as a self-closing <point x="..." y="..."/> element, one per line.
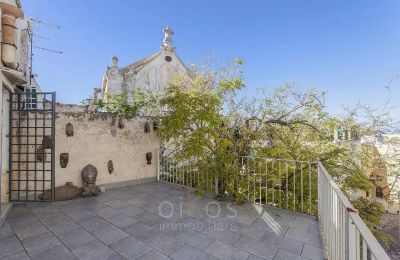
<point x="125" y="223"/>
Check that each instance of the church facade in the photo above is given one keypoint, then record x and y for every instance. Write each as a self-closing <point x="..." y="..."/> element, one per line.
<point x="152" y="73"/>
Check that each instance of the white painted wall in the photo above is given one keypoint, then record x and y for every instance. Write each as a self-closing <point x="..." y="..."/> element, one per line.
<point x="154" y="76"/>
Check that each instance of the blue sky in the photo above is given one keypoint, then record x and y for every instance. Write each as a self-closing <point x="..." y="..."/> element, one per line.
<point x="349" y="48"/>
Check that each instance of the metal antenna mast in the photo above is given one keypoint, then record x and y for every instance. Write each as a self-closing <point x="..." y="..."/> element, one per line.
<point x="31" y="34"/>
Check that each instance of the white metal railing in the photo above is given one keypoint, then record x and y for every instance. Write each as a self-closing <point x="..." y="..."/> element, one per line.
<point x="288" y="184"/>
<point x="300" y="186"/>
<point x="345" y="234"/>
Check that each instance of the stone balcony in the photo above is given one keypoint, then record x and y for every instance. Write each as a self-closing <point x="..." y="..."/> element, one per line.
<point x="137" y="222"/>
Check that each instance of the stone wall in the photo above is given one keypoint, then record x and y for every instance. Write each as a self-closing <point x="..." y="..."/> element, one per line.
<point x="99" y="138"/>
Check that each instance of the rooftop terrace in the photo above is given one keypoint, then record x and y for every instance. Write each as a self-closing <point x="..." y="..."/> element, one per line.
<point x="137" y="222"/>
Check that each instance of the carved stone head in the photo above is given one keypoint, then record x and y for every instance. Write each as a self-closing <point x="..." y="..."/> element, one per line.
<point x="149" y="156"/>
<point x="64" y="158"/>
<point x="89" y="174"/>
<point x="147" y="127"/>
<point x="40" y="154"/>
<point x="110" y="166"/>
<point x="69" y="130"/>
<point x="155" y="125"/>
<point x="121" y="123"/>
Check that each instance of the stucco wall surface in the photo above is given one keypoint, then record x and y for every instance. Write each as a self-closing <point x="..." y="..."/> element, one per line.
<point x="97" y="139"/>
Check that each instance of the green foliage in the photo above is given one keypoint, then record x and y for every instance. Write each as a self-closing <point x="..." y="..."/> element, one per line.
<point x="136" y="102"/>
<point x="371" y="213"/>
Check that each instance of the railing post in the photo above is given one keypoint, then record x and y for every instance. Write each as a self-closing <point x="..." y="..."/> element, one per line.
<point x="158" y="164"/>
<point x="352" y="239"/>
<point x="216" y="186"/>
<point x="347" y="235"/>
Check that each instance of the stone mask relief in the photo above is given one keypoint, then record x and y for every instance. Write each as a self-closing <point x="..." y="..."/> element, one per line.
<point x="64" y="158"/>
<point x="47" y="142"/>
<point x="110" y="167"/>
<point x="40" y="154"/>
<point x="149" y="156"/>
<point x="147" y="127"/>
<point x="69" y="130"/>
<point x="155" y="125"/>
<point x="121" y="123"/>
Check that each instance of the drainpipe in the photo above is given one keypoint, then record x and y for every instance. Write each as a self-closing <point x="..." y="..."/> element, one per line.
<point x="8" y="45"/>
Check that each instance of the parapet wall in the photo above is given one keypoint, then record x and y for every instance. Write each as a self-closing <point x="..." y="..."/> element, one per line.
<point x="99" y="138"/>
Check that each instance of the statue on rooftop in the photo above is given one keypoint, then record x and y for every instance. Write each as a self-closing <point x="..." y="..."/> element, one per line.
<point x="167" y="42"/>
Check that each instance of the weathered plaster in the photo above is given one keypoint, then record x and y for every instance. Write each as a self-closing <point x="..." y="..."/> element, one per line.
<point x="93" y="143"/>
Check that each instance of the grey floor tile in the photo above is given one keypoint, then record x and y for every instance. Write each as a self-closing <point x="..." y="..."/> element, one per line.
<point x="223" y="235"/>
<point x="288" y="244"/>
<point x="22" y="221"/>
<point x="153" y="255"/>
<point x="54" y="219"/>
<point x="305" y="237"/>
<point x="283" y="255"/>
<point x="40" y="243"/>
<point x="221" y="250"/>
<point x="186" y="252"/>
<point x="138" y="230"/>
<point x="76" y="238"/>
<point x="163" y="243"/>
<point x="20" y="255"/>
<point x="109" y="234"/>
<point x="138" y="202"/>
<point x="9" y="246"/>
<point x="149" y="218"/>
<point x="196" y="239"/>
<point x="253" y="257"/>
<point x="106" y="212"/>
<point x="312" y="252"/>
<point x="6" y="231"/>
<point x="116" y="257"/>
<point x="57" y="252"/>
<point x="63" y="227"/>
<point x="256" y="248"/>
<point x="17" y="211"/>
<point x="31" y="230"/>
<point x="249" y="231"/>
<point x="267" y="223"/>
<point x="121" y="220"/>
<point x="94" y="250"/>
<point x="80" y="214"/>
<point x="93" y="224"/>
<point x="292" y="223"/>
<point x="132" y="211"/>
<point x="204" y="256"/>
<point x="130" y="247"/>
<point x="116" y="204"/>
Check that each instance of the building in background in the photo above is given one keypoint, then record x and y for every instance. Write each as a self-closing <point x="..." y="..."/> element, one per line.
<point x="152" y="73"/>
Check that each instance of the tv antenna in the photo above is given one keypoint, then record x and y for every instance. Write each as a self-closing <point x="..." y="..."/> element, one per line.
<point x="34" y="20"/>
